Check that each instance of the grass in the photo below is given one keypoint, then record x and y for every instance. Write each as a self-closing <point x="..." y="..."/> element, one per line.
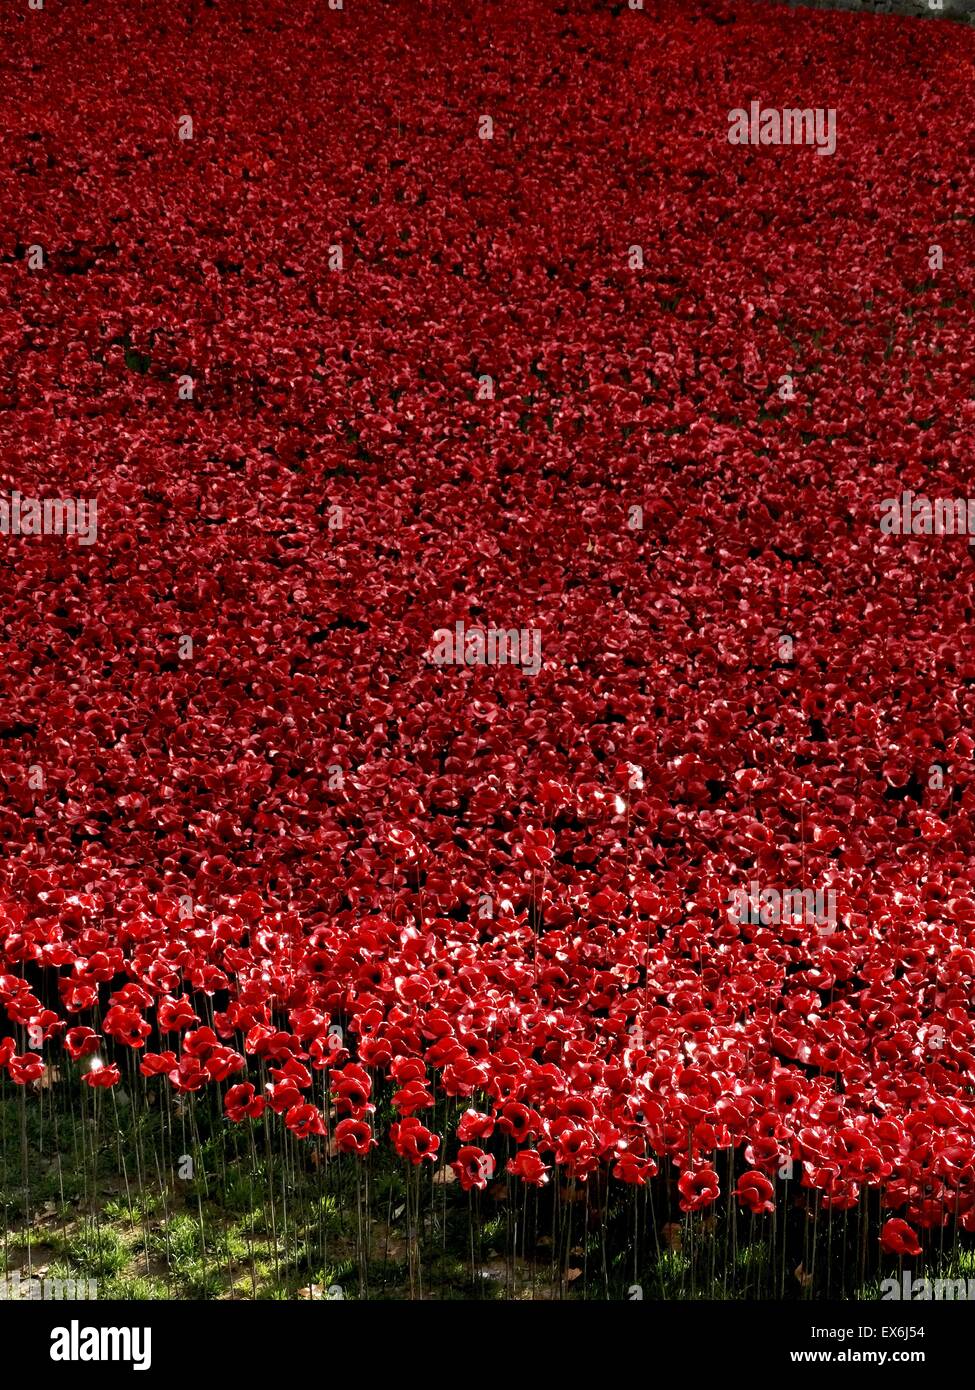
<point x="90" y="1189"/>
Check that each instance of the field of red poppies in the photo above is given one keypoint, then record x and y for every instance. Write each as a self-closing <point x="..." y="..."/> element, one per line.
<point x="483" y="590"/>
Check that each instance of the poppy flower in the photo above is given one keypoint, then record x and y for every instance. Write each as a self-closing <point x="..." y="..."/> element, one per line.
<point x="126" y="1026"/>
<point x="102" y="1075"/>
<point x="354" y="1137"/>
<point x="283" y="1096"/>
<point x="629" y="872"/>
<point x="527" y="1164"/>
<point x="81" y="1042"/>
<point x="412" y="1097"/>
<point x="413" y="1141"/>
<point x="223" y="1062"/>
<point x="473" y="1167"/>
<point x="157" y="1063"/>
<point x="698" y="1188"/>
<point x="293" y="1071"/>
<point x="175" y="1014"/>
<point x="406" y="1069"/>
<point x="474" y="1125"/>
<point x="200" y="1044"/>
<point x="305" y="1121"/>
<point x="518" y="1121"/>
<point x="576" y="1150"/>
<point x="375" y="1052"/>
<point x="242" y="1102"/>
<point x="25" y="1068"/>
<point x="189" y="1074"/>
<point x="755" y="1192"/>
<point x="632" y="1169"/>
<point x="897" y="1238"/>
<point x="351" y="1088"/>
